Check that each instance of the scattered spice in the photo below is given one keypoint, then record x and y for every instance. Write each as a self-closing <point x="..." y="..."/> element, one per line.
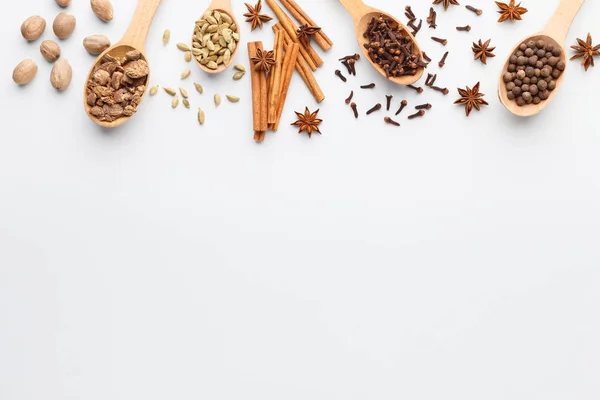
<point x="198" y="87"/>
<point x="510" y="11"/>
<point x="175" y="102"/>
<point x="390" y="121"/>
<point x="349" y="99"/>
<point x="403" y="104"/>
<point x="201" y="116"/>
<point x="483" y="50"/>
<point x="410" y="15"/>
<point x="238" y="75"/>
<point x="187" y="56"/>
<point x="415" y="28"/>
<point x="239" y="67"/>
<point x="183" y="92"/>
<point x="263" y="60"/>
<point x="183" y="47"/>
<point x="586" y="51"/>
<point x="446" y="3"/>
<point x="426" y="57"/>
<point x="475" y="10"/>
<point x="350" y="64"/>
<point x="388" y="99"/>
<point x="444" y="91"/>
<point x="255" y="17"/>
<point x="305" y="32"/>
<point x="390" y="47"/>
<point x="425" y="106"/>
<point x="471" y="98"/>
<point x="431" y="19"/>
<point x="415" y="88"/>
<point x="369" y="86"/>
<point x="443" y="60"/>
<point x="439" y="40"/>
<point x="153" y="90"/>
<point x="166" y="37"/>
<point x="429" y="78"/>
<point x="217" y="100"/>
<point x="466" y="28"/>
<point x="353" y="106"/>
<point x="186" y="73"/>
<point x="186" y="103"/>
<point x="308" y="122"/>
<point x="170" y="91"/>
<point x="376" y="107"/>
<point x="419" y="113"/>
<point x="339" y="74"/>
<point x="232" y="99"/>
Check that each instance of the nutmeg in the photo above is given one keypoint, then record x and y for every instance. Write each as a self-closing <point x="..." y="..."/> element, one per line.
<point x="103" y="9"/>
<point x="61" y="74"/>
<point x="64" y="25"/>
<point x="96" y="44"/>
<point x="63" y="3"/>
<point x="33" y="27"/>
<point x="25" y="71"/>
<point x="50" y="50"/>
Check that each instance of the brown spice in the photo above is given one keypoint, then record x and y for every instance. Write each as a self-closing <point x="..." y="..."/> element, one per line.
<point x="483" y="50"/>
<point x="475" y="10"/>
<point x="420" y="113"/>
<point x="388" y="99"/>
<point x="443" y="60"/>
<point x="354" y="110"/>
<point x="446" y="3"/>
<point x="425" y="106"/>
<point x="466" y="28"/>
<point x="510" y="11"/>
<point x="431" y="19"/>
<point x="415" y="88"/>
<point x="349" y="99"/>
<point x="369" y="86"/>
<point x="586" y="51"/>
<point x="444" y="91"/>
<point x="403" y="104"/>
<point x="308" y="122"/>
<point x="390" y="121"/>
<point x="255" y="17"/>
<point x="339" y="74"/>
<point x="439" y="40"/>
<point x="376" y="107"/>
<point x="471" y="98"/>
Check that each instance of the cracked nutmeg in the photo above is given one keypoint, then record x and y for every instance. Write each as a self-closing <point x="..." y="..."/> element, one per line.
<point x="510" y="11"/>
<point x="308" y="122"/>
<point x="255" y="17"/>
<point x="446" y="3"/>
<point x="482" y="51"/>
<point x="471" y="98"/>
<point x="586" y="51"/>
<point x="263" y="60"/>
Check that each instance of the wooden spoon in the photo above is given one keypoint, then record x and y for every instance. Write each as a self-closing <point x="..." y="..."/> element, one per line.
<point x="554" y="33"/>
<point x="224" y="7"/>
<point x="134" y="39"/>
<point x="361" y="15"/>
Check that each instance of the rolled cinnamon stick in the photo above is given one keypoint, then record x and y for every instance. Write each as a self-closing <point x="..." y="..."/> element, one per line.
<point x="275" y="78"/>
<point x="264" y="93"/>
<point x="257" y="78"/>
<point x="289" y="63"/>
<point x="302" y="17"/>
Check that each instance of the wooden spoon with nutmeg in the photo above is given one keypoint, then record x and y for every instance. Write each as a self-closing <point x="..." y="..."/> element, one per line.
<point x="134" y="39"/>
<point x="361" y="15"/>
<point x="554" y="34"/>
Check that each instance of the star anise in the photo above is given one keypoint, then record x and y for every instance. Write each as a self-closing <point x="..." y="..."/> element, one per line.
<point x="446" y="3"/>
<point x="586" y="51"/>
<point x="471" y="98"/>
<point x="263" y="60"/>
<point x="308" y="122"/>
<point x="254" y="16"/>
<point x="483" y="50"/>
<point x="510" y="11"/>
<point x="306" y="31"/>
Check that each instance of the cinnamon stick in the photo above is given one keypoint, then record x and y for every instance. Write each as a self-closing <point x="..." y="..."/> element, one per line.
<point x="275" y="78"/>
<point x="310" y="55"/>
<point x="264" y="96"/>
<point x="302" y="17"/>
<point x="256" y="78"/>
<point x="302" y="68"/>
<point x="289" y="63"/>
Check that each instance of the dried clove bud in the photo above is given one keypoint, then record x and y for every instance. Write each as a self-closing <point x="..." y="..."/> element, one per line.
<point x="425" y="106"/>
<point x="390" y="121"/>
<point x="439" y="89"/>
<point x="466" y="28"/>
<point x="432" y="17"/>
<point x="416" y="89"/>
<point x="376" y="107"/>
<point x="369" y="86"/>
<point x="420" y="113"/>
<point x="426" y="57"/>
<point x="428" y="80"/>
<point x="439" y="40"/>
<point x="475" y="10"/>
<point x="354" y="56"/>
<point x="349" y="99"/>
<point x="403" y="104"/>
<point x="409" y="13"/>
<point x="351" y="66"/>
<point x="388" y="101"/>
<point x="353" y="106"/>
<point x="443" y="60"/>
<point x="339" y="74"/>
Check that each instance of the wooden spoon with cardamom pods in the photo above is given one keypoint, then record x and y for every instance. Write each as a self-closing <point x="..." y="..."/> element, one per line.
<point x="361" y="15"/>
<point x="555" y="33"/>
<point x="219" y="32"/>
<point x="134" y="39"/>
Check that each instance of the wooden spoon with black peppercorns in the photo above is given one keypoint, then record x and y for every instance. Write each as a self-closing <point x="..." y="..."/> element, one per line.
<point x="554" y="35"/>
<point x="363" y="15"/>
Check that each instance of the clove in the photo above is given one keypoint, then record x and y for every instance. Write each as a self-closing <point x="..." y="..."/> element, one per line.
<point x="354" y="56"/>
<point x="475" y="10"/>
<point x="376" y="107"/>
<point x="390" y="121"/>
<point x="416" y="28"/>
<point x="403" y="104"/>
<point x="340" y="75"/>
<point x="439" y="89"/>
<point x="440" y="40"/>
<point x="425" y="106"/>
<point x="466" y="28"/>
<point x="431" y="19"/>
<point x="429" y="76"/>
<point x="388" y="101"/>
<point x="353" y="106"/>
<point x="369" y="86"/>
<point x="416" y="89"/>
<point x="349" y="99"/>
<point x="409" y="14"/>
<point x="426" y="57"/>
<point x="351" y="66"/>
<point x="420" y="113"/>
<point x="443" y="60"/>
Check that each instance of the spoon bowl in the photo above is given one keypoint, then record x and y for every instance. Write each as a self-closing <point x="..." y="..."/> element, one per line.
<point x="224" y="7"/>
<point x="362" y="15"/>
<point x="554" y="33"/>
<point x="134" y="39"/>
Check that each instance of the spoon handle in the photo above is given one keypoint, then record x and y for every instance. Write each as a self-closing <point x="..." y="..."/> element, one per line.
<point x="356" y="9"/>
<point x="140" y="24"/>
<point x="221" y="5"/>
<point x="559" y="24"/>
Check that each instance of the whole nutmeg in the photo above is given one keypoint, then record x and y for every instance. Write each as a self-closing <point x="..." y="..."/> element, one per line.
<point x="103" y="9"/>
<point x="96" y="44"/>
<point x="64" y="25"/>
<point x="50" y="50"/>
<point x="61" y="74"/>
<point x="33" y="27"/>
<point x="24" y="72"/>
<point x="63" y="3"/>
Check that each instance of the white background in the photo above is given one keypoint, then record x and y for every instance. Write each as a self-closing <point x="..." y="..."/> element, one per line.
<point x="451" y="258"/>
